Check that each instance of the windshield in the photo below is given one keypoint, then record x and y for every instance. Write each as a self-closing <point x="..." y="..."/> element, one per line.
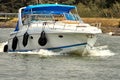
<point x="50" y="17"/>
<point x="42" y="17"/>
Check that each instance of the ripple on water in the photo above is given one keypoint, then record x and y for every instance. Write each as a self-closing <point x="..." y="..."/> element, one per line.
<point x="65" y="67"/>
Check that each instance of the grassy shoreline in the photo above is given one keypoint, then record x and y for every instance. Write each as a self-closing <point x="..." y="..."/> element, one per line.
<point x="107" y="24"/>
<point x="111" y="22"/>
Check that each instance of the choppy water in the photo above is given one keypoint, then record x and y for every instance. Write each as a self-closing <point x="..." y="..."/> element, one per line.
<point x="64" y="67"/>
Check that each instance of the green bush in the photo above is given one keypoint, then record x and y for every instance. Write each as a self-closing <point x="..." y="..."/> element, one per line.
<point x="86" y="8"/>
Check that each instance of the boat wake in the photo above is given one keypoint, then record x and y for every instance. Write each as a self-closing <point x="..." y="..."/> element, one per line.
<point x="100" y="51"/>
<point x="95" y="51"/>
<point x="2" y="46"/>
<point x="41" y="53"/>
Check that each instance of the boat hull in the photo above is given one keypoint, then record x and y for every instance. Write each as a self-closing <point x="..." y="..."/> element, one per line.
<point x="57" y="42"/>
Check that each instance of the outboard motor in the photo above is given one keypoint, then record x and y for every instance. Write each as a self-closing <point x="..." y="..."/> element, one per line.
<point x="25" y="39"/>
<point x="42" y="40"/>
<point x="14" y="43"/>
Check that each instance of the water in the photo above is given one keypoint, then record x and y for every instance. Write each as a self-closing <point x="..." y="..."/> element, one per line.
<point x="63" y="67"/>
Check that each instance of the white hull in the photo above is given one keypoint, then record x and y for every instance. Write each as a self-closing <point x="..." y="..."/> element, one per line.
<point x="67" y="43"/>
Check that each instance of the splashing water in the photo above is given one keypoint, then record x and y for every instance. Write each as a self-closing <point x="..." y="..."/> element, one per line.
<point x="44" y="53"/>
<point x="41" y="53"/>
<point x="95" y="51"/>
<point x="100" y="51"/>
<point x="2" y="46"/>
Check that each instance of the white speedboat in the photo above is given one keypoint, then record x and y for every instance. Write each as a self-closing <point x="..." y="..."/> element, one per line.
<point x="54" y="27"/>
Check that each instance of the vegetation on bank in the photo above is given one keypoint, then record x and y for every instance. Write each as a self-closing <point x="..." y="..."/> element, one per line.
<point x="86" y="8"/>
<point x="107" y="24"/>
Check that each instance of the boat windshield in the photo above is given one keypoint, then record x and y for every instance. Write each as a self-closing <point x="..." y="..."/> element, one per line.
<point x="42" y="17"/>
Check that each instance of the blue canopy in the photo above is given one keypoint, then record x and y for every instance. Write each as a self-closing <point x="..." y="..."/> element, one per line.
<point x="46" y="8"/>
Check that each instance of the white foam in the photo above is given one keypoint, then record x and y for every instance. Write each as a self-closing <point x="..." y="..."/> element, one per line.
<point x="41" y="53"/>
<point x="100" y="51"/>
<point x="95" y="51"/>
<point x="2" y="46"/>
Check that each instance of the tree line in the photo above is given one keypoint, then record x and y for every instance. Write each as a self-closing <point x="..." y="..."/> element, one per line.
<point x="86" y="8"/>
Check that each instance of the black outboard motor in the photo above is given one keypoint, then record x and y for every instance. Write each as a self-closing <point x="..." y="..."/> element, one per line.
<point x="42" y="40"/>
<point x="25" y="39"/>
<point x="14" y="43"/>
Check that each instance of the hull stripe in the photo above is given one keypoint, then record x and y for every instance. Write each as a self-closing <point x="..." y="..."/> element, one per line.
<point x="61" y="47"/>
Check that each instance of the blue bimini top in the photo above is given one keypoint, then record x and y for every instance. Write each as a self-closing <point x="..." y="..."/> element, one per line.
<point x="47" y="8"/>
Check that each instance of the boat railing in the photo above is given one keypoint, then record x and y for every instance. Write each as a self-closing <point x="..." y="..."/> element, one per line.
<point x="52" y="21"/>
<point x="96" y="25"/>
<point x="54" y="17"/>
